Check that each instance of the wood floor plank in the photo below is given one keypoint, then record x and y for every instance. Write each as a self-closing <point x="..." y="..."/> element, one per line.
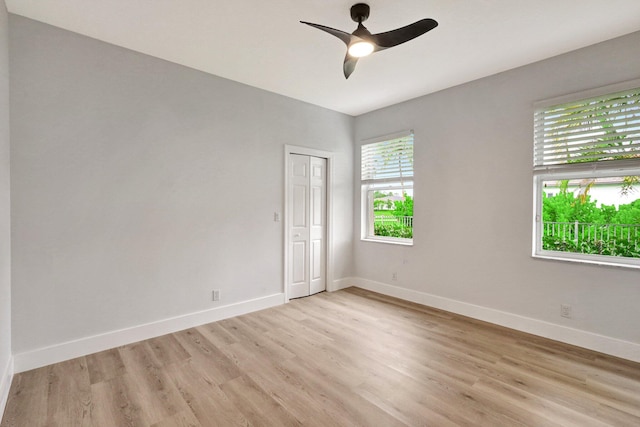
<point x="348" y="358"/>
<point x="405" y="404"/>
<point x="462" y="405"/>
<point x="181" y="419"/>
<point x="167" y="349"/>
<point x="562" y="389"/>
<point x="569" y="395"/>
<point x="216" y="334"/>
<point x="105" y="365"/>
<point x="28" y="399"/>
<point x="549" y="411"/>
<point x="69" y="399"/>
<point x="256" y="404"/>
<point x="293" y="394"/>
<point x="408" y="411"/>
<point x="207" y="355"/>
<point x="200" y="391"/>
<point x="615" y="417"/>
<point x="149" y="380"/>
<point x="256" y="339"/>
<point x="624" y="368"/>
<point x="339" y="399"/>
<point x="116" y="402"/>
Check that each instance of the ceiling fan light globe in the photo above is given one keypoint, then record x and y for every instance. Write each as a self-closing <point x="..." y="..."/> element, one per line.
<point x="360" y="49"/>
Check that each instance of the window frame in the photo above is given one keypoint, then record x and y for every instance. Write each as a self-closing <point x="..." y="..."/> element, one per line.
<point x="368" y="212"/>
<point x="539" y="252"/>
<point x="367" y="189"/>
<point x="594" y="169"/>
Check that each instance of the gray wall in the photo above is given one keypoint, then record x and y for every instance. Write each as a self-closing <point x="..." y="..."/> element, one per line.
<point x="140" y="185"/>
<point x="5" y="230"/>
<point x="474" y="192"/>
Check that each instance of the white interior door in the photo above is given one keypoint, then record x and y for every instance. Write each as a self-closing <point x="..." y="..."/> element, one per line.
<point x="307" y="225"/>
<point x="317" y="221"/>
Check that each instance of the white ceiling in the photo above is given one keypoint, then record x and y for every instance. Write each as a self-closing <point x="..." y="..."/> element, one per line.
<point x="261" y="43"/>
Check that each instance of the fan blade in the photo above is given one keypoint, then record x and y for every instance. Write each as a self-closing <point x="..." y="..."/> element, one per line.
<point x="349" y="65"/>
<point x="404" y="34"/>
<point x="345" y="37"/>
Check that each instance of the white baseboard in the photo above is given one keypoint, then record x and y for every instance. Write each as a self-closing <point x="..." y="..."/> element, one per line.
<point x="603" y="344"/>
<point x="338" y="284"/>
<point x="83" y="346"/>
<point x="45" y="356"/>
<point x="5" y="385"/>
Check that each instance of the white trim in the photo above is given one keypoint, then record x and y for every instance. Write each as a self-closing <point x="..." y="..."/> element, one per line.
<point x="368" y="186"/>
<point x="5" y="385"/>
<point x="587" y="94"/>
<point x="394" y="135"/>
<point x="88" y="345"/>
<point x="612" y="346"/>
<point x="339" y="284"/>
<point x="538" y="188"/>
<point x="305" y="151"/>
<point x="368" y="212"/>
<point x="588" y="169"/>
<point x="604" y="260"/>
<point x="389" y="240"/>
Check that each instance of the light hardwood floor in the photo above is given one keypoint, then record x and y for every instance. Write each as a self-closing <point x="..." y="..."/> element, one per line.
<point x="347" y="358"/>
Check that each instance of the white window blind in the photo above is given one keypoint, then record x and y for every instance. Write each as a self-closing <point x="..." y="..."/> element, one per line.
<point x="388" y="161"/>
<point x="590" y="130"/>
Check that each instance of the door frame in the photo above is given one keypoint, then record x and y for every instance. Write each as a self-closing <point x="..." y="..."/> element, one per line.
<point x="306" y="151"/>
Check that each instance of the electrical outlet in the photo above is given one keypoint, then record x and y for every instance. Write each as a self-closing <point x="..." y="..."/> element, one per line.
<point x="565" y="311"/>
<point x="216" y="294"/>
<point x="394" y="276"/>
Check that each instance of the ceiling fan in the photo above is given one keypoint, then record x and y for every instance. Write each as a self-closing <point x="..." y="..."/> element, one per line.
<point x="362" y="43"/>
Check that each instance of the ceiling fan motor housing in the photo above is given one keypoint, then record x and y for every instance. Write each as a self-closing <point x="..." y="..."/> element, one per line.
<point x="360" y="12"/>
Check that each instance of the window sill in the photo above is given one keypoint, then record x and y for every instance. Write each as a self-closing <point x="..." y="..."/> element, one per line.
<point x="594" y="261"/>
<point x="388" y="241"/>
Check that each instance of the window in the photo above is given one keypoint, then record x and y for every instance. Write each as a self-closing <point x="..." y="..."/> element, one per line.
<point x="587" y="178"/>
<point x="387" y="188"/>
